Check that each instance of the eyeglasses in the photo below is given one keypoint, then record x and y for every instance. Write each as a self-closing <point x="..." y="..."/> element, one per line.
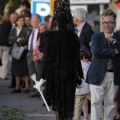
<point x="109" y="22"/>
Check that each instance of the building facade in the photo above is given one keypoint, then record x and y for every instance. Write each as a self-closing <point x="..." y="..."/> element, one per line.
<point x="95" y="8"/>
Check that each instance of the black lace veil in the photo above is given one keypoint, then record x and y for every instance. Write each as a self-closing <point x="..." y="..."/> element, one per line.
<point x="60" y="61"/>
<point x="62" y="15"/>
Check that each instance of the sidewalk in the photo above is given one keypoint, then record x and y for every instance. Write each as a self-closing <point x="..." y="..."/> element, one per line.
<point x="22" y="101"/>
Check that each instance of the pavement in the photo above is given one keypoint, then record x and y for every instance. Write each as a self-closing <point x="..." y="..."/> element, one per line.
<point x="21" y="101"/>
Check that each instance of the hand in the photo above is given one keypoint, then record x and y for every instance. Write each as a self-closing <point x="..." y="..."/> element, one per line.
<point x="90" y="44"/>
<point x="21" y="39"/>
<point x="28" y="33"/>
<point x="116" y="51"/>
<point x="79" y="81"/>
<point x="108" y="37"/>
<point x="35" y="57"/>
<point x="25" y="47"/>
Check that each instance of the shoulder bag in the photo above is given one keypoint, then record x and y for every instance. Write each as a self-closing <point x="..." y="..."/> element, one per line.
<point x="17" y="51"/>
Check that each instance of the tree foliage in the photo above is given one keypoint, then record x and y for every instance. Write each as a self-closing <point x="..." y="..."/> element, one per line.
<point x="2" y="6"/>
<point x="14" y="4"/>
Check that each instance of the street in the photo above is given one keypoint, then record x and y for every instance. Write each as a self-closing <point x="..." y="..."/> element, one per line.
<point x="21" y="101"/>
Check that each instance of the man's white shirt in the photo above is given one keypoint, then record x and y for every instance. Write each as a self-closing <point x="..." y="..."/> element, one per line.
<point x="34" y="39"/>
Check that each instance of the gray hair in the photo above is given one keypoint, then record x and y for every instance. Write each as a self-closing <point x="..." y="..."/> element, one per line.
<point x="80" y="14"/>
<point x="36" y="16"/>
<point x="43" y="26"/>
<point x="109" y="12"/>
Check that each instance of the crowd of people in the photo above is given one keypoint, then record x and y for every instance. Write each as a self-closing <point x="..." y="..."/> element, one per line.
<point x="78" y="64"/>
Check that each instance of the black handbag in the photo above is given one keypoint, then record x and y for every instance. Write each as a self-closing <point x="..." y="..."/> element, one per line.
<point x="17" y="51"/>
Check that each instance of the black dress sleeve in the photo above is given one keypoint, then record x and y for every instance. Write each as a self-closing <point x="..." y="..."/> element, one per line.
<point x="77" y="62"/>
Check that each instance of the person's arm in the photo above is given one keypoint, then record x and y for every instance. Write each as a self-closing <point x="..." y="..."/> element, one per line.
<point x="116" y="45"/>
<point x="78" y="63"/>
<point x="88" y="33"/>
<point x="98" y="51"/>
<point x="45" y="58"/>
<point x="25" y="39"/>
<point x="42" y="40"/>
<point x="12" y="38"/>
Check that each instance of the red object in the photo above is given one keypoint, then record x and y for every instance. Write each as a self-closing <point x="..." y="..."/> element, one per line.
<point x="118" y="4"/>
<point x="112" y="40"/>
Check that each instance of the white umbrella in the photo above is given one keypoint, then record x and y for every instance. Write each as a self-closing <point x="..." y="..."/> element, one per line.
<point x="37" y="86"/>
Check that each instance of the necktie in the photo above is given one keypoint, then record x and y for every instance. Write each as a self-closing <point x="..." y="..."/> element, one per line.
<point x="110" y="65"/>
<point x="31" y="43"/>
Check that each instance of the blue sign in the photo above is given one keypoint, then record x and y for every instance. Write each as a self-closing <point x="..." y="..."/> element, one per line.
<point x="41" y="7"/>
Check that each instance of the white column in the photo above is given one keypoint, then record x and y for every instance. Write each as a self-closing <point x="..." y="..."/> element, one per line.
<point x="118" y="19"/>
<point x="101" y="11"/>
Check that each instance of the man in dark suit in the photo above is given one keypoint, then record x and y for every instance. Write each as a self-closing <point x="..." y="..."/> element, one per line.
<point x="104" y="72"/>
<point x="34" y="67"/>
<point x="84" y="30"/>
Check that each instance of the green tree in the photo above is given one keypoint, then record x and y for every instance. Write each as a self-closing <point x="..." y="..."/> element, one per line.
<point x="9" y="5"/>
<point x="14" y="4"/>
<point x="2" y="6"/>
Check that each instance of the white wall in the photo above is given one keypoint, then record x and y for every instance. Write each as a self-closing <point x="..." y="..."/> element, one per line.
<point x="78" y="6"/>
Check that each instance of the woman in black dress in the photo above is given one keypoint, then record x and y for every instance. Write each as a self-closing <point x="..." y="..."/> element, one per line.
<point x="62" y="62"/>
<point x="20" y="67"/>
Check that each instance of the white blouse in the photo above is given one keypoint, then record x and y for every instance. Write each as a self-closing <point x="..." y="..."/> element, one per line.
<point x="84" y="87"/>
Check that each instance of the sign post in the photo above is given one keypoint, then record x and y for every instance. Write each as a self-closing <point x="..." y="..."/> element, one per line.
<point x="52" y="6"/>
